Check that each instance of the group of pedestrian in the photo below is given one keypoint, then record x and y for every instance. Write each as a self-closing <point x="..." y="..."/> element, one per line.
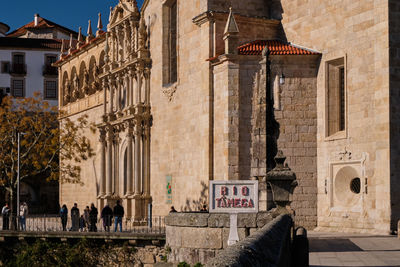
<point x="6" y="214"/>
<point x="88" y="220"/>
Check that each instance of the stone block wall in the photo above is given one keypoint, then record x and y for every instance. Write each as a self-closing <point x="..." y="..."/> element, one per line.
<point x="198" y="237"/>
<point x="296" y="114"/>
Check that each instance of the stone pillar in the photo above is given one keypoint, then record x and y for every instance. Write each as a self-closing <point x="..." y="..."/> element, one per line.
<point x="109" y="162"/>
<point x="103" y="162"/>
<point x="112" y="85"/>
<point x="105" y="98"/>
<point x="129" y="168"/>
<point x="139" y="86"/>
<point x="146" y="152"/>
<point x="134" y="86"/>
<point x="138" y="163"/>
<point x="118" y="95"/>
<point x="147" y="86"/>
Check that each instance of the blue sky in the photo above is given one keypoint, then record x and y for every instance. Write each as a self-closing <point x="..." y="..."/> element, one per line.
<point x="68" y="13"/>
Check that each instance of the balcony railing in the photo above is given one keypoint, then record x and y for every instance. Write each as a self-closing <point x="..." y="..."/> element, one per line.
<point x="17" y="68"/>
<point x="54" y="223"/>
<point x="50" y="70"/>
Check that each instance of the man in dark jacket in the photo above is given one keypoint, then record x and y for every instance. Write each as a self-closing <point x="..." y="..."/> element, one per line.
<point x="106" y="215"/>
<point x="118" y="213"/>
<point x="93" y="218"/>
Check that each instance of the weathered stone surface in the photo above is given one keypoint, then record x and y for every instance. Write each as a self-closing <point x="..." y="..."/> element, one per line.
<point x="187" y="219"/>
<point x="247" y="220"/>
<point x="148" y="258"/>
<point x="208" y="238"/>
<point x="174" y="236"/>
<point x="217" y="220"/>
<point x="263" y="218"/>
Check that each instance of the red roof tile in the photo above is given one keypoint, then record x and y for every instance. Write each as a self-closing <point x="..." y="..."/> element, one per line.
<point x="42" y="24"/>
<point x="276" y="47"/>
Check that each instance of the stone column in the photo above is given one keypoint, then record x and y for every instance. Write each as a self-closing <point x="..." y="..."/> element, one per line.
<point x="109" y="177"/>
<point x="112" y="85"/>
<point x="139" y="86"/>
<point x="118" y="95"/>
<point x="105" y="97"/>
<point x="134" y="85"/>
<point x="147" y="86"/>
<point x="128" y="90"/>
<point x="146" y="152"/>
<point x="129" y="168"/>
<point x="138" y="163"/>
<point x="103" y="162"/>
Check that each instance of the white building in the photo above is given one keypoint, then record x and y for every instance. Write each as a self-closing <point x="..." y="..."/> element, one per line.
<point x="26" y="55"/>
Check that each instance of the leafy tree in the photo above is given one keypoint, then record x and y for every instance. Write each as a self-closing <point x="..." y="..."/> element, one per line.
<point x="42" y="144"/>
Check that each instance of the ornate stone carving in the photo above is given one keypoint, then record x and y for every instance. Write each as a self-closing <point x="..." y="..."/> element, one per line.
<point x="169" y="91"/>
<point x="283" y="182"/>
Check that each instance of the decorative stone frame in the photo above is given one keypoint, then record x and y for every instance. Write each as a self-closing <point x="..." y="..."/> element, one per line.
<point x="335" y="167"/>
<point x="330" y="60"/>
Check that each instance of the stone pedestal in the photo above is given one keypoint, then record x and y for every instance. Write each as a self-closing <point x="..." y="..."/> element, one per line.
<point x="283" y="182"/>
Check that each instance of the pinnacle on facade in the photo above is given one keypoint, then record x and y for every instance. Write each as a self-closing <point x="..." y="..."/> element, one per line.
<point x="99" y="26"/>
<point x="62" y="48"/>
<point x="106" y="49"/>
<point x="89" y="32"/>
<point x="110" y="17"/>
<point x="231" y="26"/>
<point x="231" y="34"/>
<point x="80" y="36"/>
<point x="70" y="44"/>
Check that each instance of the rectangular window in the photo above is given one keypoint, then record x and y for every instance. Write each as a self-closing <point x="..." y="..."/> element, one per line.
<point x="18" y="88"/>
<point x="170" y="42"/>
<point x="336" y="96"/>
<point x="18" y="64"/>
<point x="50" y="90"/>
<point x="5" y="67"/>
<point x="48" y="69"/>
<point x="50" y="59"/>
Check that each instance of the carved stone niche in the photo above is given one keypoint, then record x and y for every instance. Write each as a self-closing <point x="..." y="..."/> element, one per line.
<point x="283" y="182"/>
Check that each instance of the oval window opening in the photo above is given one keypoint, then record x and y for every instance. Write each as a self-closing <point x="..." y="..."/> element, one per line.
<point x="355" y="185"/>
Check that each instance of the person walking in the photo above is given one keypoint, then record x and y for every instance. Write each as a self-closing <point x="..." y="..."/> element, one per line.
<point x="64" y="217"/>
<point x="106" y="215"/>
<point x="86" y="217"/>
<point x="5" y="212"/>
<point x="118" y="213"/>
<point x="23" y="212"/>
<point x="93" y="218"/>
<point x="75" y="218"/>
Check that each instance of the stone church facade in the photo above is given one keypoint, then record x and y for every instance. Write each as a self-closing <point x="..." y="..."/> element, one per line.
<point x="184" y="92"/>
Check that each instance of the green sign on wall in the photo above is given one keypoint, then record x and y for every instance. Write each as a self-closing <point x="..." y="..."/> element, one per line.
<point x="169" y="189"/>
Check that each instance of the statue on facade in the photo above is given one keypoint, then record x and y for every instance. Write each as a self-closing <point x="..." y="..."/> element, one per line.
<point x="85" y="86"/>
<point x="67" y="91"/>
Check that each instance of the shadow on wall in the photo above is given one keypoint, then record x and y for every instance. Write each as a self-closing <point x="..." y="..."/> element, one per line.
<point x="197" y="204"/>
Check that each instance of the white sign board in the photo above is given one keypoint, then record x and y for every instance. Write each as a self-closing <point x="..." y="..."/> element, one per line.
<point x="239" y="196"/>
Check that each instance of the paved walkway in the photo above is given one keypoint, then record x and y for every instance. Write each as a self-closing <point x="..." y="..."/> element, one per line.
<point x="333" y="249"/>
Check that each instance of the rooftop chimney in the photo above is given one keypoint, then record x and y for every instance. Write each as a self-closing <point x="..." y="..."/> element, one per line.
<point x="36" y="19"/>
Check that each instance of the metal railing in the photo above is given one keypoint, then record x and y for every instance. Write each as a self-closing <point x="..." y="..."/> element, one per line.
<point x="17" y="68"/>
<point x="53" y="223"/>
